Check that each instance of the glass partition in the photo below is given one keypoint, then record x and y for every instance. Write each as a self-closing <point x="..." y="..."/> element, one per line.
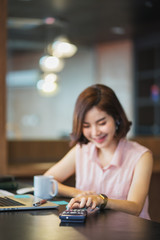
<point x="31" y="112"/>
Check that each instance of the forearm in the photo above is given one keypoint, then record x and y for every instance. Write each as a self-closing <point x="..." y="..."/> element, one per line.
<point x="124" y="206"/>
<point x="92" y="201"/>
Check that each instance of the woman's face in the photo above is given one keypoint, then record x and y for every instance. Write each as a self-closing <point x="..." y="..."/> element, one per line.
<point x="99" y="128"/>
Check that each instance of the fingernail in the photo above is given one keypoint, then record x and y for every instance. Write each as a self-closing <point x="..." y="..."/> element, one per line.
<point x="67" y="207"/>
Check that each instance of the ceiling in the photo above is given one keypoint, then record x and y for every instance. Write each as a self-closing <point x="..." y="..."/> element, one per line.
<point x="84" y="22"/>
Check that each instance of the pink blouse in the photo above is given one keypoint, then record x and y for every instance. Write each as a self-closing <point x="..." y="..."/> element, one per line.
<point x="115" y="179"/>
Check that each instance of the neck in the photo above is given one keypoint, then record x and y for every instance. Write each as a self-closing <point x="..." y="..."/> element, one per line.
<point x="106" y="154"/>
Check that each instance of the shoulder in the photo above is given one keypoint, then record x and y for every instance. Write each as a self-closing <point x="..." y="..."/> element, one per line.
<point x="146" y="159"/>
<point x="131" y="152"/>
<point x="132" y="146"/>
<point x="144" y="166"/>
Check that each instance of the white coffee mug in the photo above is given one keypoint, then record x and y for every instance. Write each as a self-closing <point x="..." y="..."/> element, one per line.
<point x="45" y="187"/>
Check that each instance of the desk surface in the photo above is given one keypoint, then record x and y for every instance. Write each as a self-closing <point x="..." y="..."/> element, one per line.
<point x="45" y="225"/>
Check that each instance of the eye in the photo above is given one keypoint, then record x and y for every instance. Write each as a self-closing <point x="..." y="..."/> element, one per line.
<point x="102" y="123"/>
<point x="85" y="125"/>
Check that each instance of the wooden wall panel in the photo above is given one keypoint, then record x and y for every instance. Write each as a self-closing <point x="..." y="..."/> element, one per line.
<point x="3" y="153"/>
<point x="36" y="151"/>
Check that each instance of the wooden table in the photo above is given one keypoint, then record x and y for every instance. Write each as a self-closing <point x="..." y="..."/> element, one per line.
<point x="45" y="225"/>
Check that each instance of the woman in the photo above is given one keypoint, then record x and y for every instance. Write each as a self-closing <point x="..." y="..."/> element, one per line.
<point x="111" y="172"/>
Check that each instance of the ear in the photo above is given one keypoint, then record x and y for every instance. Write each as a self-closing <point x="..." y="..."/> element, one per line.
<point x="117" y="124"/>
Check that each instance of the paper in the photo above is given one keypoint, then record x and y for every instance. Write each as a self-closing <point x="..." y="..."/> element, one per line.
<point x="5" y="193"/>
<point x="22" y="196"/>
<point x="60" y="202"/>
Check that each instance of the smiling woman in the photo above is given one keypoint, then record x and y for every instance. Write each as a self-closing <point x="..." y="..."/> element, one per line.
<point x="105" y="56"/>
<point x="104" y="161"/>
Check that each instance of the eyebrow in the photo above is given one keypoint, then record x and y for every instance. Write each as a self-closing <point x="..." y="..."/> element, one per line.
<point x="99" y="120"/>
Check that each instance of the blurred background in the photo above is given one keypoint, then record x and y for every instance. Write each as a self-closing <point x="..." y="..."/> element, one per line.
<point x="55" y="49"/>
<point x="117" y="43"/>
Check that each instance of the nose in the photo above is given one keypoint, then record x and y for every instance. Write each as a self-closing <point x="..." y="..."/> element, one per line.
<point x="95" y="131"/>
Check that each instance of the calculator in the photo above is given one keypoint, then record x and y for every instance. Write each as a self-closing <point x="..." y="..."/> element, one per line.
<point x="73" y="215"/>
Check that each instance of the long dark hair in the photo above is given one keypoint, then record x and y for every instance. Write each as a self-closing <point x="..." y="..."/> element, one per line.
<point x="106" y="100"/>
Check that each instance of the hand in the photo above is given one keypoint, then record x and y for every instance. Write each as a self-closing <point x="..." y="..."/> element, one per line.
<point x="84" y="193"/>
<point x="91" y="201"/>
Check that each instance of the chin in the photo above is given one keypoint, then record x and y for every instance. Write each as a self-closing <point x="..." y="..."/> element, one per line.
<point x="101" y="145"/>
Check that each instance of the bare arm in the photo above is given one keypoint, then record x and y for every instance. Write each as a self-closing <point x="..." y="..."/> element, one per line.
<point x="137" y="193"/>
<point x="63" y="170"/>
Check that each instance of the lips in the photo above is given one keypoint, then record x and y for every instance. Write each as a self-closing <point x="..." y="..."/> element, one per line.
<point x="100" y="139"/>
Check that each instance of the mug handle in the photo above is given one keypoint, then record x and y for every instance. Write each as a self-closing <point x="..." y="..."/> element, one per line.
<point x="53" y="181"/>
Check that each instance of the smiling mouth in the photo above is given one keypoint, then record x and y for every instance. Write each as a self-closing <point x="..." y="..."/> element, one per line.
<point x="100" y="140"/>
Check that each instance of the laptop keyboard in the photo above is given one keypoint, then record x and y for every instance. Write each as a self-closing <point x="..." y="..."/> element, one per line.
<point x="4" y="202"/>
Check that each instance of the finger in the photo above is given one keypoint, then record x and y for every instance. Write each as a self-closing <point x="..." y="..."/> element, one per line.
<point x="93" y="205"/>
<point x="80" y="202"/>
<point x="83" y="202"/>
<point x="89" y="202"/>
<point x="76" y="205"/>
<point x="72" y="201"/>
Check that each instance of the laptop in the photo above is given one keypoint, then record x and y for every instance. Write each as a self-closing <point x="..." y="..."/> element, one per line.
<point x="24" y="202"/>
